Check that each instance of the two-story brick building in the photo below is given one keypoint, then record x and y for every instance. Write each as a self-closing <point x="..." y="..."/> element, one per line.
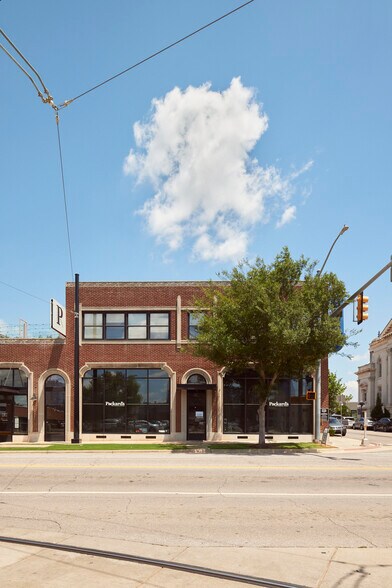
<point x="138" y="377"/>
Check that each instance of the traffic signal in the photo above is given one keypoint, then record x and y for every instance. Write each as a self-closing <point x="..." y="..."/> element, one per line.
<point x="362" y="308"/>
<point x="310" y="393"/>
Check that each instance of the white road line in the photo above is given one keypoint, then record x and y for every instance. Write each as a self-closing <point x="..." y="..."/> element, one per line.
<point x="175" y="493"/>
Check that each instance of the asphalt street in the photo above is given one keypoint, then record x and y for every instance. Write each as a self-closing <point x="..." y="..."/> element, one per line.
<point x="289" y="517"/>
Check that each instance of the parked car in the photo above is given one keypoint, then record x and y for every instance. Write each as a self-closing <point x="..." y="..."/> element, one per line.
<point x="337" y="427"/>
<point x="383" y="424"/>
<point x="348" y="422"/>
<point x="359" y="424"/>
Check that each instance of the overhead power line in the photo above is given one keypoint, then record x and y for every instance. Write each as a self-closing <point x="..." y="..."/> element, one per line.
<point x="49" y="98"/>
<point x="124" y="71"/>
<point x="24" y="292"/>
<point x="64" y="192"/>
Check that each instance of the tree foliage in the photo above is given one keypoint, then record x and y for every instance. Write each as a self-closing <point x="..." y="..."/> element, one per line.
<point x="273" y="318"/>
<point x="337" y="396"/>
<point x="378" y="411"/>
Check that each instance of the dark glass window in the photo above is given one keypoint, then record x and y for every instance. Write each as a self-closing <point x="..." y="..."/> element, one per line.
<point x="92" y="418"/>
<point x="114" y="326"/>
<point x="126" y="401"/>
<point x="196" y="379"/>
<point x="55" y="408"/>
<point x="193" y="324"/>
<point x="159" y="391"/>
<point x="20" y="414"/>
<point x="13" y="378"/>
<point x="287" y="410"/>
<point x="14" y="413"/>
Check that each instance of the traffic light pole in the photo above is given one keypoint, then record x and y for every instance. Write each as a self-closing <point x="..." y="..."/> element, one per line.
<point x="339" y="309"/>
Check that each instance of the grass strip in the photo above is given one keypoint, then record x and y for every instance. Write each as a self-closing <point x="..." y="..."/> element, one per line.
<point x="160" y="447"/>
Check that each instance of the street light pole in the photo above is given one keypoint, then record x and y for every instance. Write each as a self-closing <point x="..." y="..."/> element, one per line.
<point x="317" y="435"/>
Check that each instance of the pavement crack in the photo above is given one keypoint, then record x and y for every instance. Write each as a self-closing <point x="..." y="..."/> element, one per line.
<point x="321" y="580"/>
<point x="336" y="523"/>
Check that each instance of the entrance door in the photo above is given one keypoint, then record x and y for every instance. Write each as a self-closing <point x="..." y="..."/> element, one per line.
<point x="6" y="417"/>
<point x="196" y="422"/>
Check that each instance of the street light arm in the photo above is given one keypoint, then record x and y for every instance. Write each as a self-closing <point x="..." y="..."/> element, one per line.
<point x="343" y="230"/>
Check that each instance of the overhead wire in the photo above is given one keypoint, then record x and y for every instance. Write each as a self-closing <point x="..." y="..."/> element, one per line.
<point x="25" y="60"/>
<point x="64" y="191"/>
<point x="23" y="292"/>
<point x="49" y="100"/>
<point x="67" y="102"/>
<point x="22" y="68"/>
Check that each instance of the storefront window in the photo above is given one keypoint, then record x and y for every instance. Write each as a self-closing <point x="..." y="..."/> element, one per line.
<point x="20" y="414"/>
<point x="13" y="392"/>
<point x="287" y="410"/>
<point x="126" y="401"/>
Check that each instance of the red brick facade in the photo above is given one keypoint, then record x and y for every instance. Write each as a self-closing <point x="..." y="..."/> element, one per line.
<point x="42" y="357"/>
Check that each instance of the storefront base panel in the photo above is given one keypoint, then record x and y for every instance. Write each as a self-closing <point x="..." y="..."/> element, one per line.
<point x="154" y="439"/>
<point x="292" y="437"/>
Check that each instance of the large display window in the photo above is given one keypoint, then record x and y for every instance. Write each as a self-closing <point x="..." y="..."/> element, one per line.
<point x="125" y="401"/>
<point x="13" y="402"/>
<point x="287" y="411"/>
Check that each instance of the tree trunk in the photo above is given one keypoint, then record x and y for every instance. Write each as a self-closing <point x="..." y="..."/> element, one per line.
<point x="261" y="412"/>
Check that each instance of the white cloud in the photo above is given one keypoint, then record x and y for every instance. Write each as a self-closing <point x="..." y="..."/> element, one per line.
<point x="287" y="216"/>
<point x="360" y="357"/>
<point x="195" y="152"/>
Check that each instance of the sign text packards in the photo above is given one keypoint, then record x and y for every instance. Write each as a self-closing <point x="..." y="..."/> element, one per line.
<point x="271" y="403"/>
<point x="115" y="403"/>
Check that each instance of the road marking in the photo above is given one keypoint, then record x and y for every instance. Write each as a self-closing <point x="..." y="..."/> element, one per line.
<point x="71" y="466"/>
<point x="179" y="493"/>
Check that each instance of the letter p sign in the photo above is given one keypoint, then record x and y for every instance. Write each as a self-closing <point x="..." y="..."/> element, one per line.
<point x="57" y="317"/>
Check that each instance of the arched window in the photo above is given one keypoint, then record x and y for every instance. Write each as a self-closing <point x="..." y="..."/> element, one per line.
<point x="196" y="379"/>
<point x="55" y="408"/>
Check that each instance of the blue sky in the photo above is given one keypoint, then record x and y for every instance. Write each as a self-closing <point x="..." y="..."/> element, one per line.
<point x="319" y="71"/>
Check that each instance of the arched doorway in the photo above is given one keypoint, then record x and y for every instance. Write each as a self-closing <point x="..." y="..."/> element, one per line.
<point x="196" y="408"/>
<point x="55" y="408"/>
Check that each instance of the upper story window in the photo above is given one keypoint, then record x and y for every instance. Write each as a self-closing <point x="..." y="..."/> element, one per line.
<point x="193" y="324"/>
<point x="126" y="325"/>
<point x="379" y="368"/>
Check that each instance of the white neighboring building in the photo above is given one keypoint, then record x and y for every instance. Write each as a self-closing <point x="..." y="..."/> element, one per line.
<point x="376" y="376"/>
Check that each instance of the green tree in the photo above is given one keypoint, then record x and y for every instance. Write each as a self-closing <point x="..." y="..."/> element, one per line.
<point x="337" y="396"/>
<point x="274" y="319"/>
<point x="378" y="411"/>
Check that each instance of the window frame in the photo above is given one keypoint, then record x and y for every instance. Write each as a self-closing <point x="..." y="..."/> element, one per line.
<point x="192" y="313"/>
<point x="149" y="314"/>
<point x="128" y="410"/>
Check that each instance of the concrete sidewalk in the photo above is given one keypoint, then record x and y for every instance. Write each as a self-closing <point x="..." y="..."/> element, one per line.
<point x="347" y="443"/>
<point x="22" y="566"/>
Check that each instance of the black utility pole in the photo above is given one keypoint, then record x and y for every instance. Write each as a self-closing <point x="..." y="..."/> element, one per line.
<point x="76" y="438"/>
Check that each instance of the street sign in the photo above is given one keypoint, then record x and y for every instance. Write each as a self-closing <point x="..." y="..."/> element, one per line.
<point x="57" y="317"/>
